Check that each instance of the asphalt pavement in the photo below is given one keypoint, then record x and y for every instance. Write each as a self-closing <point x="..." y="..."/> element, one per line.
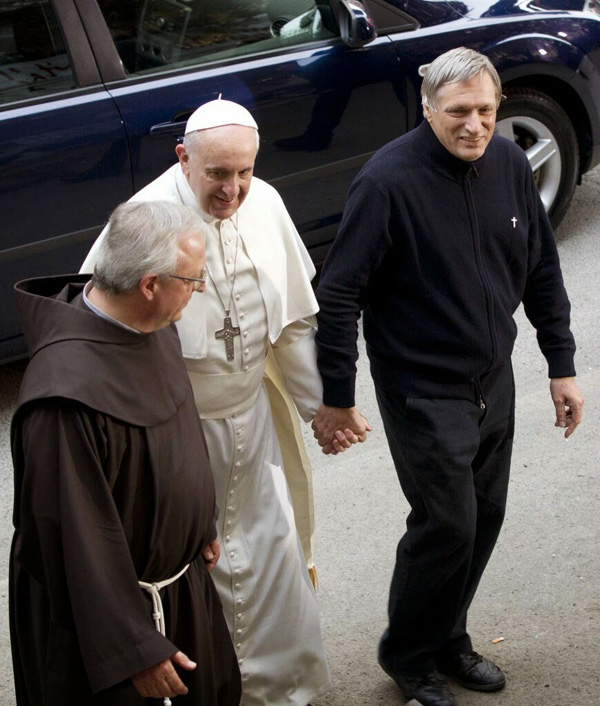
<point x="541" y="592"/>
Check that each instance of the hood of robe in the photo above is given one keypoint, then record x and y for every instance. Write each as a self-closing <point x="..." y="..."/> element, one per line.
<point x="75" y="354"/>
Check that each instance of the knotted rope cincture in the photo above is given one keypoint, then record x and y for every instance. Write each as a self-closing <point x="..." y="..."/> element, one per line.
<point x="158" y="614"/>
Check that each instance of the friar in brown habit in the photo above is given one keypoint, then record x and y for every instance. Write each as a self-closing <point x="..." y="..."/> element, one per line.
<point x="113" y="487"/>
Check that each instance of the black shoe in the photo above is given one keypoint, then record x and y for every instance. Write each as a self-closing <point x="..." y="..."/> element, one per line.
<point x="428" y="689"/>
<point x="472" y="671"/>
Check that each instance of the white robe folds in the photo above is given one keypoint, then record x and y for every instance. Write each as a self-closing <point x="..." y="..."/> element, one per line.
<point x="262" y="577"/>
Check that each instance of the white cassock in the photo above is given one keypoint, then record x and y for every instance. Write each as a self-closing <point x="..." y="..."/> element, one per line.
<point x="262" y="576"/>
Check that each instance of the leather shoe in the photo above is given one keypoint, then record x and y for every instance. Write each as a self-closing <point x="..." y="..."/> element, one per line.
<point x="471" y="670"/>
<point x="428" y="689"/>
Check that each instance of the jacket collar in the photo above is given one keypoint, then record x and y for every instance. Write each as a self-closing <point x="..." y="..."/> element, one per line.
<point x="438" y="157"/>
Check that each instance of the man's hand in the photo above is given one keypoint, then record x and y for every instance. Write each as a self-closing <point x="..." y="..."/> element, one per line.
<point x="568" y="402"/>
<point x="337" y="428"/>
<point x="211" y="554"/>
<point x="162" y="680"/>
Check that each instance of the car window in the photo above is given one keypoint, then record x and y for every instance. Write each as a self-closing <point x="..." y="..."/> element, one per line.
<point x="151" y="35"/>
<point x="33" y="57"/>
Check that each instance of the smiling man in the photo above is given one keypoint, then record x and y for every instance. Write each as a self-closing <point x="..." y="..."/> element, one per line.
<point x="463" y="115"/>
<point x="256" y="318"/>
<point x="442" y="237"/>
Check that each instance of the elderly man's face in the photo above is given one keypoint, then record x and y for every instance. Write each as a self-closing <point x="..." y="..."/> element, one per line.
<point x="220" y="168"/>
<point x="175" y="293"/>
<point x="465" y="117"/>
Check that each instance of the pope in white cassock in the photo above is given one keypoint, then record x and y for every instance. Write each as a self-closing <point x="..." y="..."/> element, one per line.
<point x="257" y="313"/>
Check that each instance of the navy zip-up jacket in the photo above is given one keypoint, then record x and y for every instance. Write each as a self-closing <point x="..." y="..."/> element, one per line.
<point x="439" y="253"/>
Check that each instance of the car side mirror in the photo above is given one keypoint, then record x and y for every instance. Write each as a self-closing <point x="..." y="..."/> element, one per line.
<point x="356" y="27"/>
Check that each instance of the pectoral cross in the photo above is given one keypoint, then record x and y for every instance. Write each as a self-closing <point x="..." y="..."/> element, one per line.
<point x="228" y="333"/>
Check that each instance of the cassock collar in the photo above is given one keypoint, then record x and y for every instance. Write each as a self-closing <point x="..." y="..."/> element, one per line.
<point x="75" y="354"/>
<point x="187" y="196"/>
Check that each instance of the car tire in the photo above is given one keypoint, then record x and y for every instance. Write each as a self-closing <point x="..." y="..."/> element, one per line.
<point x="545" y="132"/>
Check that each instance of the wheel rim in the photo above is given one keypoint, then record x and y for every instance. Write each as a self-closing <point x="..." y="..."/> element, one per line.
<point x="541" y="148"/>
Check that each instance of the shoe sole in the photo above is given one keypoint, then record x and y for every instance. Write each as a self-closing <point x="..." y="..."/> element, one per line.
<point x="412" y="701"/>
<point x="479" y="687"/>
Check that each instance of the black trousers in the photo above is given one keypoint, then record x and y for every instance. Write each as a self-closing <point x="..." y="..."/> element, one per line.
<point x="453" y="461"/>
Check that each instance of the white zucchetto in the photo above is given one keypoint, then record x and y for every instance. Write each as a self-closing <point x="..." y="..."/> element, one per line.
<point x="218" y="113"/>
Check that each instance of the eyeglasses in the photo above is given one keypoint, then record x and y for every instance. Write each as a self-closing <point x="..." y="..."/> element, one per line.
<point x="197" y="282"/>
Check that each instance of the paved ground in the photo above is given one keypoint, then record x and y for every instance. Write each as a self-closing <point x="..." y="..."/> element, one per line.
<point x="541" y="592"/>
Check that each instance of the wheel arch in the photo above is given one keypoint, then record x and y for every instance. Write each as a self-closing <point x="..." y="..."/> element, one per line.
<point x="571" y="103"/>
<point x="550" y="66"/>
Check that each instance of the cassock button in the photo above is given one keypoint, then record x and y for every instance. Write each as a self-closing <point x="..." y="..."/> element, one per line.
<point x="239" y="615"/>
<point x="231" y="492"/>
<point x="239" y="631"/>
<point x="246" y="368"/>
<point x="239" y="644"/>
<point x="228" y="537"/>
<point x="238" y="585"/>
<point x="245" y="334"/>
<point x="232" y="554"/>
<point x="234" y="478"/>
<point x="238" y="464"/>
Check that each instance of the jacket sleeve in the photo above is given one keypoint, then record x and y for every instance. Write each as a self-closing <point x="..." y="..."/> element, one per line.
<point x="73" y="543"/>
<point x="545" y="299"/>
<point x="360" y="245"/>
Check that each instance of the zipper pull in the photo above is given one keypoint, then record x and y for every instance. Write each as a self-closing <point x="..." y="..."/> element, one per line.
<point x="479" y="393"/>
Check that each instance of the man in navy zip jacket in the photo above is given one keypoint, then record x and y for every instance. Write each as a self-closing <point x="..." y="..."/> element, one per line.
<point x="442" y="237"/>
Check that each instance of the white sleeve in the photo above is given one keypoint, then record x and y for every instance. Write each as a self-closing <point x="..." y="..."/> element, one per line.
<point x="296" y="355"/>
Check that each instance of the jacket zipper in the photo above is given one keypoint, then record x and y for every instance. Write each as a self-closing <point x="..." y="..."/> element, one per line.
<point x="473" y="174"/>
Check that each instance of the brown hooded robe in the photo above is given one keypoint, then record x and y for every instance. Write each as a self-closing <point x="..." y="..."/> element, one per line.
<point x="112" y="485"/>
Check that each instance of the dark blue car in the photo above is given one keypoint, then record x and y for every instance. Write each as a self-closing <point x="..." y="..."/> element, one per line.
<point x="95" y="93"/>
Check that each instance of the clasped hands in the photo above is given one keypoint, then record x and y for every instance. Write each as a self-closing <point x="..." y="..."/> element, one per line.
<point x="337" y="428"/>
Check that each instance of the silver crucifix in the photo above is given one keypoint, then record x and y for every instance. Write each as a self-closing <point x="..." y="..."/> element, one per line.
<point x="228" y="333"/>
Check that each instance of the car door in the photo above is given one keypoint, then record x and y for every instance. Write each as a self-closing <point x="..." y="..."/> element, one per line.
<point x="322" y="107"/>
<point x="64" y="160"/>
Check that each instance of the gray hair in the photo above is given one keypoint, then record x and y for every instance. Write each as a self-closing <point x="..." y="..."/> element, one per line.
<point x="456" y="66"/>
<point x="193" y="140"/>
<point x="142" y="238"/>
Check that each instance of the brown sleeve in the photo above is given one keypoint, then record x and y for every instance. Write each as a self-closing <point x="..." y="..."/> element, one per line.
<point x="72" y="541"/>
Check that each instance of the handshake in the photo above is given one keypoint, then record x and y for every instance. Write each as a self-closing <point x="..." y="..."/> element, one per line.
<point x="337" y="428"/>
